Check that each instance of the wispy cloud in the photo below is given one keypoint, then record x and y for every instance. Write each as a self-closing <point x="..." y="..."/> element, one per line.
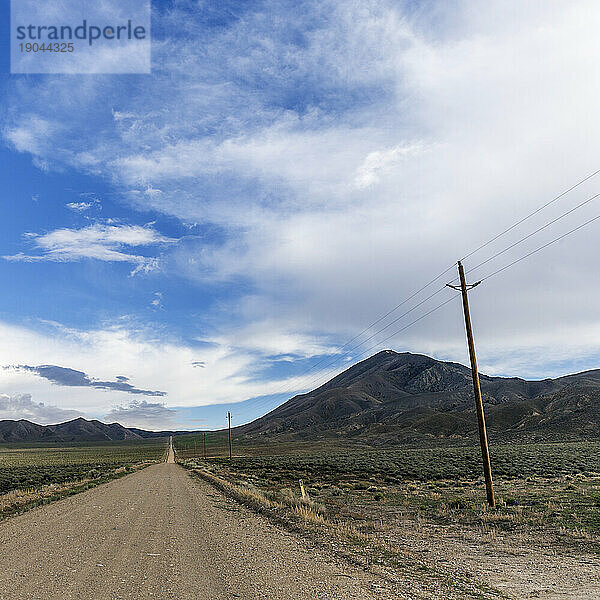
<point x="34" y="135"/>
<point x="381" y="163"/>
<point x="79" y="206"/>
<point x="268" y="337"/>
<point x="100" y="242"/>
<point x="87" y="202"/>
<point x="156" y="302"/>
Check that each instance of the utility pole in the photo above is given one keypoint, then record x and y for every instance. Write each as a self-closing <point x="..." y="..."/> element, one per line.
<point x="485" y="453"/>
<point x="229" y="429"/>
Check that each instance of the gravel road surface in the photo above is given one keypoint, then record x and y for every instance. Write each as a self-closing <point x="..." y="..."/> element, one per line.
<point x="158" y="533"/>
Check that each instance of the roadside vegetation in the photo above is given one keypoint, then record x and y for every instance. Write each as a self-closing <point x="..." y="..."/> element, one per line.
<point x="556" y="487"/>
<point x="37" y="473"/>
<point x="550" y="486"/>
<point x="398" y="463"/>
<point x="354" y="541"/>
<point x="393" y="501"/>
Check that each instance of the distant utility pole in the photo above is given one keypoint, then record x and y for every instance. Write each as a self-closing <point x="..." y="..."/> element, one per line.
<point x="229" y="428"/>
<point x="485" y="453"/>
<point x="204" y="444"/>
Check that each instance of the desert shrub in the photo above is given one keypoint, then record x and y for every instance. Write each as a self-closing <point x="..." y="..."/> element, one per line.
<point x="24" y="468"/>
<point x="458" y="503"/>
<point x="354" y="469"/>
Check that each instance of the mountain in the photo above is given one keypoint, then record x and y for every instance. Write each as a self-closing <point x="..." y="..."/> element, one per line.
<point x="144" y="433"/>
<point x="77" y="430"/>
<point x="402" y="397"/>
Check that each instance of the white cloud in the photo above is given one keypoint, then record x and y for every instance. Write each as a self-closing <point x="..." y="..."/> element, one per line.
<point x="351" y="165"/>
<point x="145" y="415"/>
<point x="156" y="302"/>
<point x="99" y="242"/>
<point x="273" y="339"/>
<point x="231" y="372"/>
<point x="21" y="406"/>
<point x="87" y="202"/>
<point x="381" y="162"/>
<point x="79" y="206"/>
<point x="34" y="135"/>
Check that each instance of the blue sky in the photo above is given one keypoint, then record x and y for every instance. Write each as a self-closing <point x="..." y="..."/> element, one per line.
<point x="287" y="173"/>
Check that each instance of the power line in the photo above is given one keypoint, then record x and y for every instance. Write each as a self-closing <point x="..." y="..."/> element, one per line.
<point x="553" y="241"/>
<point x="535" y="212"/>
<point x="504" y="268"/>
<point x="437" y="277"/>
<point x="399" y="317"/>
<point x="404" y="314"/>
<point x="338" y="358"/>
<point x="429" y="312"/>
<point x="535" y="232"/>
<point x="387" y="314"/>
<point x="446" y="270"/>
<point x="512" y="263"/>
<point x="389" y="337"/>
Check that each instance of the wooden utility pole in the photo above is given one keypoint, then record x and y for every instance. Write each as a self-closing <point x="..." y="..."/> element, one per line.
<point x="485" y="453"/>
<point x="229" y="430"/>
<point x="204" y="444"/>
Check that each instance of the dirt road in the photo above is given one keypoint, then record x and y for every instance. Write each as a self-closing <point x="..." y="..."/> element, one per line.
<point x="170" y="452"/>
<point x="160" y="534"/>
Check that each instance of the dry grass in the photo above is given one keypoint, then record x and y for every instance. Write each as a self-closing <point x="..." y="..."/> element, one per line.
<point x="305" y="509"/>
<point x="359" y="543"/>
<point x="21" y="498"/>
<point x="17" y="501"/>
<point x="308" y="514"/>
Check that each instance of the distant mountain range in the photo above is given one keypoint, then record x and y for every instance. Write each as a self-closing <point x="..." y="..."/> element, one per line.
<point x="401" y="397"/>
<point x="77" y="430"/>
<point x="391" y="398"/>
